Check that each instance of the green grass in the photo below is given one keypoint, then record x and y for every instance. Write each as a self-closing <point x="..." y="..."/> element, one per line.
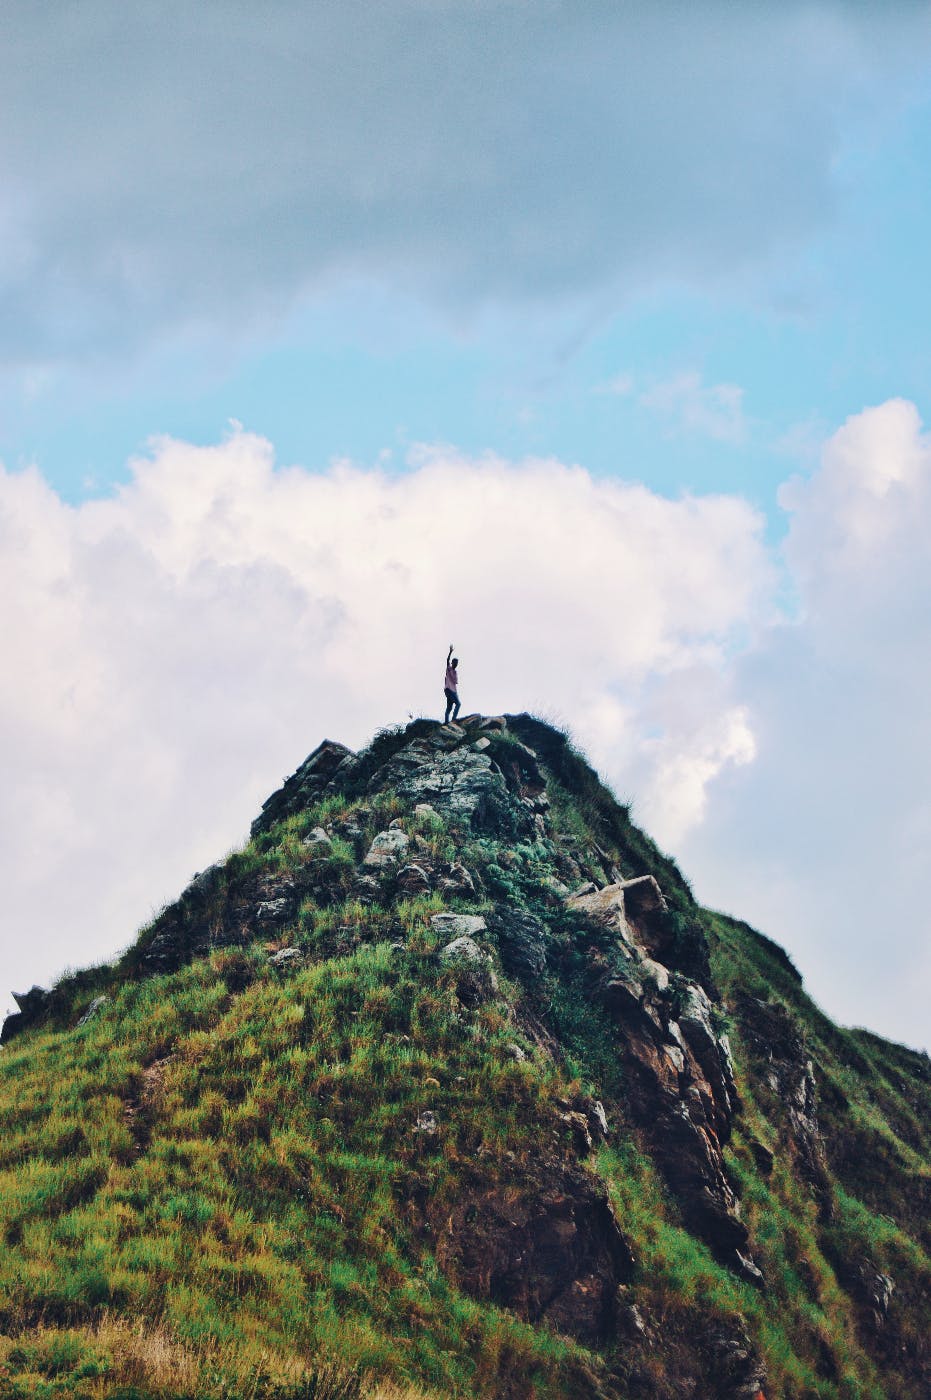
<point x="214" y="1187"/>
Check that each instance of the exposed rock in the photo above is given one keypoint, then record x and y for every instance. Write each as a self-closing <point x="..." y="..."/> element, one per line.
<point x="205" y="883"/>
<point x="366" y="889"/>
<point x="642" y="897"/>
<point x="681" y="1081"/>
<point x="454" y="881"/>
<point x="34" y="1006"/>
<point x="654" y="972"/>
<point x="463" y="950"/>
<point x="457" y="925"/>
<point x="317" y="842"/>
<point x="736" y="1372"/>
<point x="603" y="906"/>
<point x="515" y="1052"/>
<point x="494" y="722"/>
<point x="587" y="887"/>
<point x="480" y="744"/>
<point x="273" y="910"/>
<point x="387" y="848"/>
<point x="348" y="828"/>
<point x="521" y="940"/>
<point x="306" y="785"/>
<point x="462" y="786"/>
<point x="598" y="1119"/>
<point x="476" y="980"/>
<point x="92" y="1010"/>
<point x="549" y="1248"/>
<point x="581" y="1131"/>
<point x="630" y="1320"/>
<point x="413" y="880"/>
<point x="773" y="1038"/>
<point x="423" y="809"/>
<point x="286" y="957"/>
<point x="875" y="1291"/>
<point x="426" y="1123"/>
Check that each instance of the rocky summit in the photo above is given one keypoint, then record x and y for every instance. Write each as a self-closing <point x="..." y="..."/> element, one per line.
<point x="444" y="1085"/>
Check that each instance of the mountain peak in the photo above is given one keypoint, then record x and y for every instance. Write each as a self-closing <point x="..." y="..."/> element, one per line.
<point x="451" y="1016"/>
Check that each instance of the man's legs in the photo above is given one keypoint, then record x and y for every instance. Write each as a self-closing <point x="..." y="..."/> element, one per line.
<point x="450" y="697"/>
<point x="456" y="709"/>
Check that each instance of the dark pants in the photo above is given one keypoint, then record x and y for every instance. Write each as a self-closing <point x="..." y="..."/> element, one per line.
<point x="452" y="704"/>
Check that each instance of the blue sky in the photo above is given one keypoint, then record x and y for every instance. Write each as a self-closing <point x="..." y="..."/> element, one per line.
<point x="836" y="321"/>
<point x="387" y="260"/>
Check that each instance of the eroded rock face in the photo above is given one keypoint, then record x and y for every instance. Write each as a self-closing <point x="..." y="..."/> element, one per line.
<point x="773" y="1039"/>
<point x="307" y="785"/>
<point x="681" y="1081"/>
<point x="34" y="1006"/>
<point x="550" y="1249"/>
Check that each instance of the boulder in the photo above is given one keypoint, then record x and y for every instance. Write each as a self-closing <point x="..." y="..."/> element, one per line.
<point x="521" y="941"/>
<point x="286" y="957"/>
<point x="317" y="842"/>
<point x="597" y="1118"/>
<point x="454" y="926"/>
<point x="604" y="906"/>
<point x="205" y="883"/>
<point x="413" y="880"/>
<point x="387" y="848"/>
<point x="476" y="981"/>
<point x="578" y="1125"/>
<point x="463" y="950"/>
<point x="454" y="881"/>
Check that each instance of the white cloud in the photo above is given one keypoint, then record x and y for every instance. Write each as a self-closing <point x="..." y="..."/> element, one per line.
<point x="171" y="652"/>
<point x="821" y="839"/>
<point x="174" y="650"/>
<point x="708" y="410"/>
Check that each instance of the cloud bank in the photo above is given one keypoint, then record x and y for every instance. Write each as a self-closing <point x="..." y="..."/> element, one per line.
<point x="169" y="167"/>
<point x="172" y="651"/>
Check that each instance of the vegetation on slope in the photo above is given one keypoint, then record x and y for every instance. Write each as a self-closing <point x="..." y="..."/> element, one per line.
<point x="225" y="1183"/>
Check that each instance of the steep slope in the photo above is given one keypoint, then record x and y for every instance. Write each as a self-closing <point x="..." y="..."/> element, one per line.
<point x="446" y="1079"/>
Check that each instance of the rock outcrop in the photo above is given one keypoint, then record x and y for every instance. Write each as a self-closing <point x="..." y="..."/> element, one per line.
<point x="683" y="1092"/>
<point x="789" y="1074"/>
<point x="326" y="766"/>
<point x="549" y="1247"/>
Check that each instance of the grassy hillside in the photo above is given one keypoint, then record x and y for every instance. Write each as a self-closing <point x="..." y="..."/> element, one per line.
<point x="247" y="1175"/>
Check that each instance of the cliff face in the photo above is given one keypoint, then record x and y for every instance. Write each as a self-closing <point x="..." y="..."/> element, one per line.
<point x="446" y="1076"/>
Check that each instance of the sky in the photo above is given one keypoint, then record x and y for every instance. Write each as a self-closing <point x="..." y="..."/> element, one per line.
<point x="592" y="336"/>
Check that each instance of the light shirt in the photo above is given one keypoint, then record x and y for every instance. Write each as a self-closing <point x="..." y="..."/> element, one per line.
<point x="452" y="678"/>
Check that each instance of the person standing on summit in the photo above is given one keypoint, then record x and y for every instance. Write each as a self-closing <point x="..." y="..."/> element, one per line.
<point x="451" y="685"/>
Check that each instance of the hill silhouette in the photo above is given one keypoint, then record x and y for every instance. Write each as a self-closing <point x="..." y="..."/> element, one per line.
<point x="445" y="1085"/>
